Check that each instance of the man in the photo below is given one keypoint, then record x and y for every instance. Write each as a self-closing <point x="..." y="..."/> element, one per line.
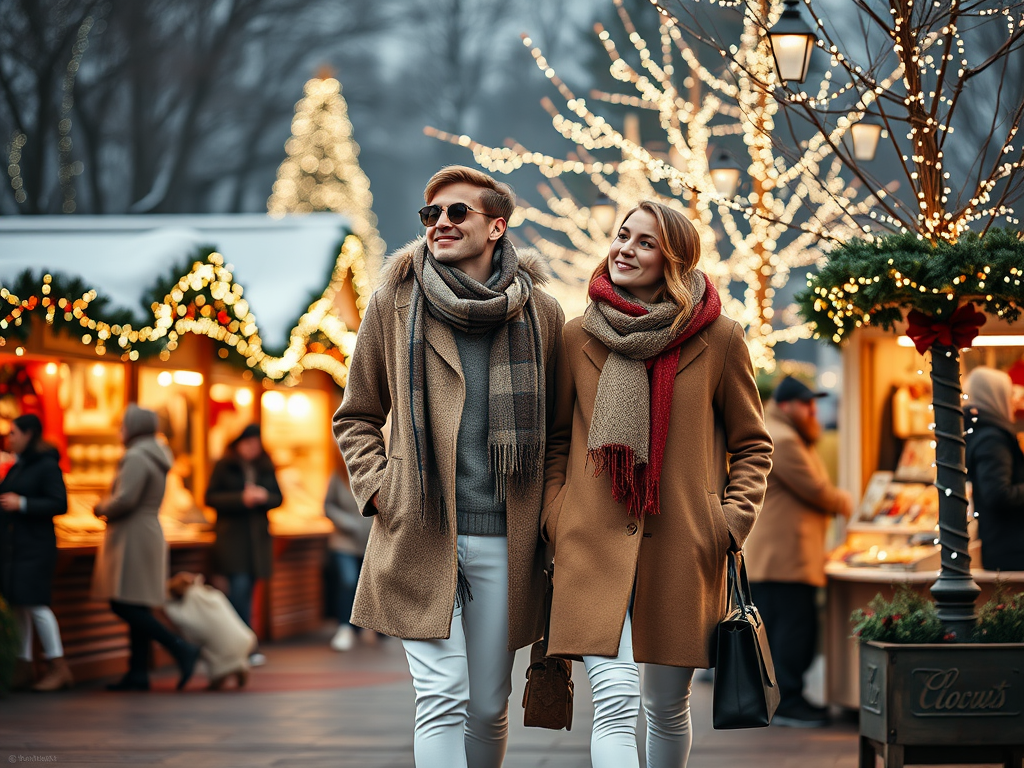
<point x="786" y="548"/>
<point x="464" y="352"/>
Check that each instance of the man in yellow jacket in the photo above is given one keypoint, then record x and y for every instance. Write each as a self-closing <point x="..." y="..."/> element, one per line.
<point x="786" y="549"/>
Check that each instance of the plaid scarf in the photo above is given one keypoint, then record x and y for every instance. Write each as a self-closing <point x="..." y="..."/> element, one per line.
<point x="516" y="429"/>
<point x="629" y="427"/>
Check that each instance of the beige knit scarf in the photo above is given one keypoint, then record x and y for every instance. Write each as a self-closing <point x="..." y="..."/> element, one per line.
<point x="629" y="425"/>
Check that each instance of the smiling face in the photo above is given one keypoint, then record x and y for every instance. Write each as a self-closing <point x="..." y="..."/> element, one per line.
<point x="636" y="262"/>
<point x="469" y="245"/>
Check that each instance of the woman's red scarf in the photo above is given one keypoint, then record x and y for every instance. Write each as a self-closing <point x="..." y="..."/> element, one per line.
<point x="639" y="485"/>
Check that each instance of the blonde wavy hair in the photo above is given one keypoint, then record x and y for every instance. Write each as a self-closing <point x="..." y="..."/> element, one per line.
<point x="680" y="244"/>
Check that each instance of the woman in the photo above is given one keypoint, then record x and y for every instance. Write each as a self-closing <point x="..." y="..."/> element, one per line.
<point x="132" y="562"/>
<point x="995" y="467"/>
<point x="31" y="495"/>
<point x="242" y="489"/>
<point x="664" y="391"/>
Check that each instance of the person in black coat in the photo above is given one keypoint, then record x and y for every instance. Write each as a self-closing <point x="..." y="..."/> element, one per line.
<point x="31" y="495"/>
<point x="242" y="489"/>
<point x="995" y="467"/>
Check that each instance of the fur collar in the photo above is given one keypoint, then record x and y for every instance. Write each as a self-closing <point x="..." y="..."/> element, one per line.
<point x="398" y="266"/>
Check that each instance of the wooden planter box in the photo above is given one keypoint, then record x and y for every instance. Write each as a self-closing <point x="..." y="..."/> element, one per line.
<point x="941" y="703"/>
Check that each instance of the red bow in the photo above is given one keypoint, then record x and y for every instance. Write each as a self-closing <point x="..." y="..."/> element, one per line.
<point x="958" y="330"/>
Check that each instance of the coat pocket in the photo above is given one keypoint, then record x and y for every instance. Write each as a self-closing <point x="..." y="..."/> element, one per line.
<point x="384" y="495"/>
<point x="721" y="525"/>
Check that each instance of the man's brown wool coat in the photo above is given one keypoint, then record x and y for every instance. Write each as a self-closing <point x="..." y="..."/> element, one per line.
<point x="407" y="587"/>
<point x="717" y="457"/>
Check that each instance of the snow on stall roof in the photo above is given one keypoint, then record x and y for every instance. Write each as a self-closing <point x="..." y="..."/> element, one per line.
<point x="278" y="261"/>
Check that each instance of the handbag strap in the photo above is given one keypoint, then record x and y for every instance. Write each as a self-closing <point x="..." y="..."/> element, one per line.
<point x="739" y="587"/>
<point x="549" y="586"/>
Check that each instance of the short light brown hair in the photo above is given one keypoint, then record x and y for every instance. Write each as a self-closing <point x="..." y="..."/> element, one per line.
<point x="498" y="198"/>
<point x="680" y="244"/>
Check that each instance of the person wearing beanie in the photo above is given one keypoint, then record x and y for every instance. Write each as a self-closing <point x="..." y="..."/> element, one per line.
<point x="31" y="495"/>
<point x="243" y="488"/>
<point x="786" y="549"/>
<point x="995" y="467"/>
<point x="132" y="563"/>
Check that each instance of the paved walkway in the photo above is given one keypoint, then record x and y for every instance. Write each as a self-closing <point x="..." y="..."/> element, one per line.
<point x="312" y="707"/>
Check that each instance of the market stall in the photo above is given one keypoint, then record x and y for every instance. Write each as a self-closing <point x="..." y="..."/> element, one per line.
<point x="77" y="365"/>
<point x="888" y="455"/>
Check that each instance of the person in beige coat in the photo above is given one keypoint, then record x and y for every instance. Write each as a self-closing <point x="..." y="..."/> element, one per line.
<point x="666" y="472"/>
<point x="786" y="549"/>
<point x="463" y="350"/>
<point x="132" y="561"/>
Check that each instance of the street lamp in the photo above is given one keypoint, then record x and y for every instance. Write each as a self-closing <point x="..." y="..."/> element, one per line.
<point x="865" y="134"/>
<point x="603" y="211"/>
<point x="792" y="41"/>
<point x="725" y="173"/>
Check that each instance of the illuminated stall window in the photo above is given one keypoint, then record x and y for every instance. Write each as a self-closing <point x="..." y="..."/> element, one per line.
<point x="232" y="407"/>
<point x="178" y="399"/>
<point x="296" y="433"/>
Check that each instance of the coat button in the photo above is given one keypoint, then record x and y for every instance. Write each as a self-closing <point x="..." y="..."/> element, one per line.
<point x="631" y="529"/>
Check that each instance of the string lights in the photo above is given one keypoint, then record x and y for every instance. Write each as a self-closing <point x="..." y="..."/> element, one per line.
<point x="206" y="301"/>
<point x="322" y="171"/>
<point x="792" y="206"/>
<point x="915" y="83"/>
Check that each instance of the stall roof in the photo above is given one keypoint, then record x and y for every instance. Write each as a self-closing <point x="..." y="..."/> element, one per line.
<point x="279" y="262"/>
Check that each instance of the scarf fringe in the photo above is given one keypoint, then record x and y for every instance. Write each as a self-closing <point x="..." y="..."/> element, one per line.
<point x="632" y="484"/>
<point x="520" y="462"/>
<point x="463" y="591"/>
<point x="441" y="518"/>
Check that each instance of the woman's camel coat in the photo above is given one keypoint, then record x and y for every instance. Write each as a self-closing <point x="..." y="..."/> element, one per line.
<point x="717" y="459"/>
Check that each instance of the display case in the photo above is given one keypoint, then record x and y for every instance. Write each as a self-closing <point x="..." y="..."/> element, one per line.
<point x="887" y="464"/>
<point x="896" y="523"/>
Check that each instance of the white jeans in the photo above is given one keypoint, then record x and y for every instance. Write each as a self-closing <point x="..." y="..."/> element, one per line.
<point x="463" y="683"/>
<point x="45" y="624"/>
<point x="666" y="698"/>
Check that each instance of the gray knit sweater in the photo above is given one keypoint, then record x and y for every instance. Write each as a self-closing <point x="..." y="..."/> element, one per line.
<point x="476" y="509"/>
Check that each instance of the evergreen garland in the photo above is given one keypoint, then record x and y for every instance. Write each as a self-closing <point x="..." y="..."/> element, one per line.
<point x="872" y="283"/>
<point x="198" y="302"/>
<point x="21" y="301"/>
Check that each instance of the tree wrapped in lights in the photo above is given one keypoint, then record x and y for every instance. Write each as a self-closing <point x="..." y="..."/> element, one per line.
<point x="322" y="171"/>
<point x="915" y="81"/>
<point x="794" y="201"/>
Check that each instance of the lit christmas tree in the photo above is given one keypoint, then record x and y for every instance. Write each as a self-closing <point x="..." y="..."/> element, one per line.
<point x="322" y="172"/>
<point x="794" y="202"/>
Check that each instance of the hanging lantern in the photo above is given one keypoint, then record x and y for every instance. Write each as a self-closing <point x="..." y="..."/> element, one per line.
<point x="603" y="212"/>
<point x="725" y="173"/>
<point x="865" y="134"/>
<point x="792" y="41"/>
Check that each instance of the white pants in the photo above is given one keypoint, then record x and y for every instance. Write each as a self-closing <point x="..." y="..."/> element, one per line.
<point x="617" y="693"/>
<point x="45" y="624"/>
<point x="463" y="683"/>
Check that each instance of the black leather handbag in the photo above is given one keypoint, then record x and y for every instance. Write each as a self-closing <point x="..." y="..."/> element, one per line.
<point x="746" y="691"/>
<point x="547" y="700"/>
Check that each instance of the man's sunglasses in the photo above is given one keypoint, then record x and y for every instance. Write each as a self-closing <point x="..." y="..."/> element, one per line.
<point x="457" y="213"/>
